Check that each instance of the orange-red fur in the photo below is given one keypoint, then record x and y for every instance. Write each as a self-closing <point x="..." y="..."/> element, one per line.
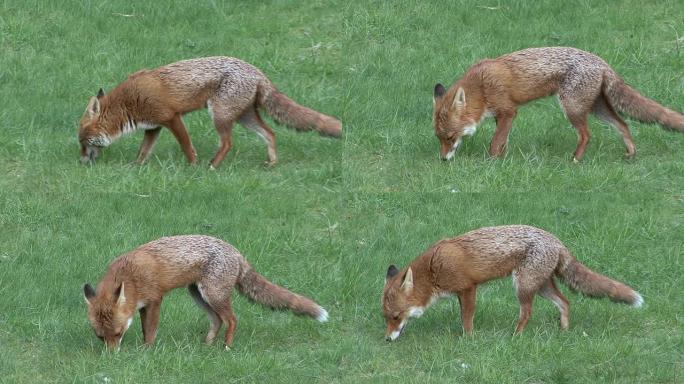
<point x="232" y="89"/>
<point x="459" y="265"/>
<point x="209" y="267"/>
<point x="583" y="82"/>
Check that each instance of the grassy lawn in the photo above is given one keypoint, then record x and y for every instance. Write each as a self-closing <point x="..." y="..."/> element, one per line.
<point x="333" y="214"/>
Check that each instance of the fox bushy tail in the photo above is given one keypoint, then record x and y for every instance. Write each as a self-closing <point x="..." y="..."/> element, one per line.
<point x="258" y="288"/>
<point x="580" y="278"/>
<point x="288" y="112"/>
<point x="627" y="100"/>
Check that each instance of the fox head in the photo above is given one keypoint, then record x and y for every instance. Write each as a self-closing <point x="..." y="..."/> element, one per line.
<point x="109" y="313"/>
<point x="400" y="301"/>
<point x="91" y="134"/>
<point x="452" y="119"/>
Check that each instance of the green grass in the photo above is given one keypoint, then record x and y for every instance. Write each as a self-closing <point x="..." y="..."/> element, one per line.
<point x="333" y="214"/>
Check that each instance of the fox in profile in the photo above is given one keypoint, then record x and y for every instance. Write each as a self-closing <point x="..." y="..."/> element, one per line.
<point x="209" y="267"/>
<point x="583" y="82"/>
<point x="457" y="266"/>
<point x="231" y="89"/>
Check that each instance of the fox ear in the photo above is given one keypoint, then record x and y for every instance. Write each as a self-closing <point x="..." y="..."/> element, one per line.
<point x="439" y="91"/>
<point x="88" y="293"/>
<point x="407" y="285"/>
<point x="121" y="296"/>
<point x="391" y="272"/>
<point x="93" y="108"/>
<point x="459" y="99"/>
<point x="100" y="93"/>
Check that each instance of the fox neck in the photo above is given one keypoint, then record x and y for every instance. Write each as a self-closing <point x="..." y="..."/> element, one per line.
<point x="476" y="103"/>
<point x="116" y="120"/>
<point x="424" y="291"/>
<point x="113" y="280"/>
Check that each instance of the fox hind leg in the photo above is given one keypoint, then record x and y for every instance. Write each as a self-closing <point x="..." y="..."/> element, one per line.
<point x="528" y="280"/>
<point x="224" y="116"/>
<point x="579" y="121"/>
<point x="551" y="292"/>
<point x="217" y="296"/>
<point x="605" y="111"/>
<point x="252" y="120"/>
<point x="224" y="127"/>
<point x="214" y="318"/>
<point x="577" y="101"/>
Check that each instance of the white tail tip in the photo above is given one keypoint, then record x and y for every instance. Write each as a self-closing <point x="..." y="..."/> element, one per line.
<point x="639" y="301"/>
<point x="323" y="317"/>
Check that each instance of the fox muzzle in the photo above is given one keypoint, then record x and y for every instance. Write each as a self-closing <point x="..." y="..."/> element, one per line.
<point x="89" y="153"/>
<point x="447" y="152"/>
<point x="392" y="335"/>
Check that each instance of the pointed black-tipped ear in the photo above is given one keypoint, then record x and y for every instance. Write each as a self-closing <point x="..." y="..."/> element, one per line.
<point x="439" y="91"/>
<point x="88" y="292"/>
<point x="391" y="272"/>
<point x="100" y="93"/>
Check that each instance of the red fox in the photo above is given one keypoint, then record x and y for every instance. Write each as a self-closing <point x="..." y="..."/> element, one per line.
<point x="584" y="84"/>
<point x="209" y="267"/>
<point x="457" y="266"/>
<point x="231" y="89"/>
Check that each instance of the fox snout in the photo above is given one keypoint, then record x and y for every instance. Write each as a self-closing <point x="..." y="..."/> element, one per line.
<point x="112" y="343"/>
<point x="449" y="148"/>
<point x="394" y="331"/>
<point x="89" y="153"/>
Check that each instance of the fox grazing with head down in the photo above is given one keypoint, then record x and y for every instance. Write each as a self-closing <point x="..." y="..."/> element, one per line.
<point x="210" y="268"/>
<point x="583" y="82"/>
<point x="231" y="89"/>
<point x="459" y="265"/>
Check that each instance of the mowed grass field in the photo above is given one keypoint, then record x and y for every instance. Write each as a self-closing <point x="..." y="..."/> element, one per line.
<point x="333" y="214"/>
